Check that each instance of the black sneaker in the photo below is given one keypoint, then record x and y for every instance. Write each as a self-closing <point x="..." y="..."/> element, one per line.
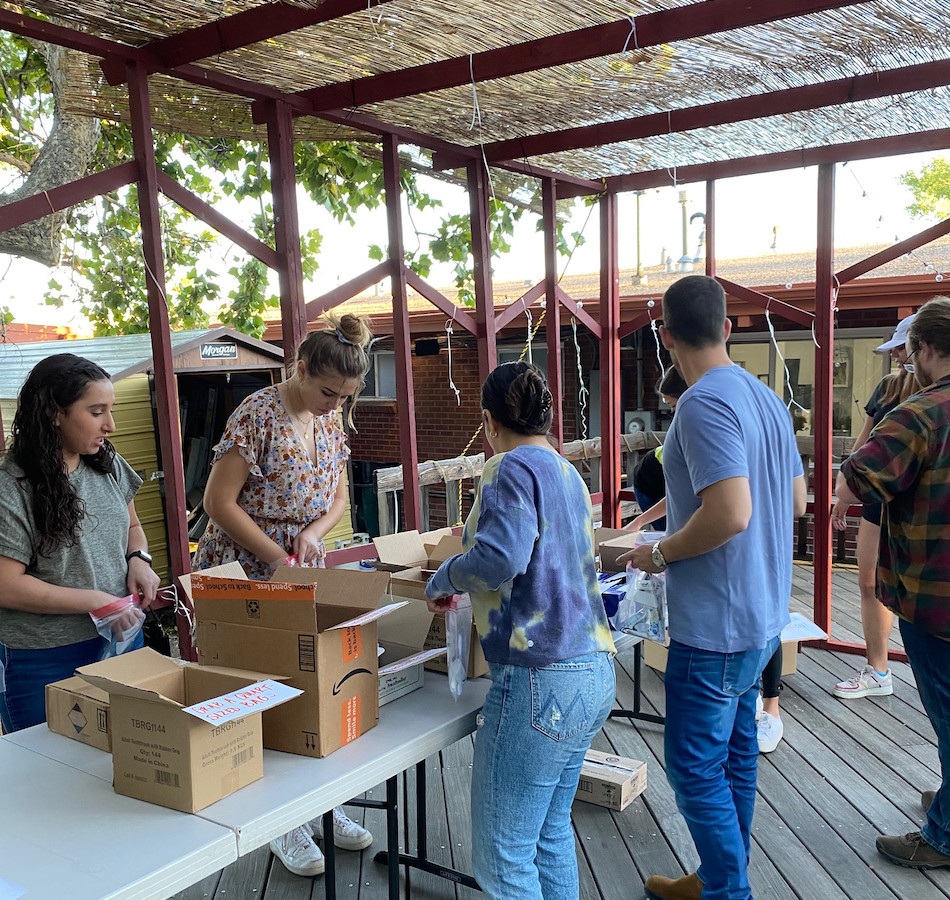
<point x="911" y="850"/>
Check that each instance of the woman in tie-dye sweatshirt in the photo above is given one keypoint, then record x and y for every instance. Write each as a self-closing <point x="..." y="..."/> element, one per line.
<point x="528" y="565"/>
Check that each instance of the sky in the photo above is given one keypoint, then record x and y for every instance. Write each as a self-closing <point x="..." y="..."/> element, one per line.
<point x="870" y="209"/>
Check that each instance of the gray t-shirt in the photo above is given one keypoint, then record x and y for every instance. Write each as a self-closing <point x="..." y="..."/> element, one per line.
<point x="95" y="562"/>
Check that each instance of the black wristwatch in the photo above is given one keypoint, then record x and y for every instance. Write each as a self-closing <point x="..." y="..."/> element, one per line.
<point x="141" y="554"/>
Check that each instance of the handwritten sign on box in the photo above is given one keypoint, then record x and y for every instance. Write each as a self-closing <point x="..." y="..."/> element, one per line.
<point x="243" y="702"/>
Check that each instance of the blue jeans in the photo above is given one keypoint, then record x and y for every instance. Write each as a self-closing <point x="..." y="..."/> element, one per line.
<point x="534" y="729"/>
<point x="712" y="757"/>
<point x="27" y="672"/>
<point x="930" y="659"/>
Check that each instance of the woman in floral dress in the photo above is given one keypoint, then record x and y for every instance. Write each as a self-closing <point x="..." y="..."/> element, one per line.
<point x="278" y="486"/>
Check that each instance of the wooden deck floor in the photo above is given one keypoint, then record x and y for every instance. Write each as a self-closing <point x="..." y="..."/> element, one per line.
<point x="844" y="773"/>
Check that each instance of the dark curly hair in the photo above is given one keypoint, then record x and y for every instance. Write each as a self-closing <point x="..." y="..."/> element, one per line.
<point x="37" y="445"/>
<point x="517" y="395"/>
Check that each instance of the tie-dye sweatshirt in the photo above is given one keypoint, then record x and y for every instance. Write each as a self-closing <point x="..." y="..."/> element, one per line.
<point x="529" y="562"/>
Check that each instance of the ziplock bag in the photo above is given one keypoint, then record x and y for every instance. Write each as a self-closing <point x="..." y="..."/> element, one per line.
<point x="120" y="623"/>
<point x="642" y="611"/>
<point x="458" y="639"/>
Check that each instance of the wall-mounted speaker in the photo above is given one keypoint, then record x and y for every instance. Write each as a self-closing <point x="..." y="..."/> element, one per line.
<point x="427" y="347"/>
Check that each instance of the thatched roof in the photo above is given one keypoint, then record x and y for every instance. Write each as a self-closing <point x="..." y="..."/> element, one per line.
<point x="853" y="42"/>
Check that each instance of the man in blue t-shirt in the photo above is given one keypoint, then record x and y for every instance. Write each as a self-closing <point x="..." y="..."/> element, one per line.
<point x="734" y="486"/>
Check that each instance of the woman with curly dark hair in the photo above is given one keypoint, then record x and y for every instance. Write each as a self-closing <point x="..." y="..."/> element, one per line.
<point x="70" y="540"/>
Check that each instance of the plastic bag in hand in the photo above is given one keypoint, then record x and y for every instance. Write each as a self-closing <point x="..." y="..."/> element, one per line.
<point x="458" y="639"/>
<point x="120" y="623"/>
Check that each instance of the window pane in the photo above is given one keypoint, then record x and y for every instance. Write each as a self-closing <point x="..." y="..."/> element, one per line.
<point x="386" y="371"/>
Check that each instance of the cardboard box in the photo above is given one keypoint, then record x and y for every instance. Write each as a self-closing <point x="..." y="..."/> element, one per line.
<point x="77" y="710"/>
<point x="477" y="666"/>
<point x="316" y="627"/>
<point x="611" y="781"/>
<point x="601" y="535"/>
<point x="611" y="549"/>
<point x="654" y="655"/>
<point x="166" y="755"/>
<point x="402" y="637"/>
<point x="412" y="550"/>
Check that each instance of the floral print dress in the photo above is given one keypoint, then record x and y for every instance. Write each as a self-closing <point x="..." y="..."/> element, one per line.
<point x="285" y="490"/>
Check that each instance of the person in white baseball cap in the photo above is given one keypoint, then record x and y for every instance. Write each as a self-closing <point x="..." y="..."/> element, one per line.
<point x="875" y="679"/>
<point x="899" y="336"/>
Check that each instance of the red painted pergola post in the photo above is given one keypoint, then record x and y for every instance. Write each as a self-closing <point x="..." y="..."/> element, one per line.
<point x="609" y="362"/>
<point x="280" y="147"/>
<point x="552" y="324"/>
<point x="477" y="179"/>
<point x="409" y="455"/>
<point x="824" y="368"/>
<point x="169" y="431"/>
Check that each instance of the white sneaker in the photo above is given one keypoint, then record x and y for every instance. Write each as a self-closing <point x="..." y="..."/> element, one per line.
<point x="867" y="683"/>
<point x="347" y="835"/>
<point x="299" y="854"/>
<point x="758" y="707"/>
<point x="770" y="732"/>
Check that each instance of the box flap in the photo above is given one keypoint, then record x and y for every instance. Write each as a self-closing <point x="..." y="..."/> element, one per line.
<point x="430" y="539"/>
<point x="228" y="570"/>
<point x="409" y="626"/>
<point x="262" y="603"/>
<point x="405" y="548"/>
<point x="450" y="545"/>
<point x="414" y="659"/>
<point x="337" y="587"/>
<point x="371" y="616"/>
<point x="133" y="668"/>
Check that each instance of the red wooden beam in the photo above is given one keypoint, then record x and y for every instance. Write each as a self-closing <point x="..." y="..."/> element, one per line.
<point x="280" y="148"/>
<point x="635" y="324"/>
<point x="406" y="412"/>
<point x="514" y="309"/>
<point x="59" y="198"/>
<point x="648" y="30"/>
<point x="577" y="310"/>
<point x="220" y="223"/>
<point x="166" y="388"/>
<point x="891" y="253"/>
<point x="873" y="148"/>
<point x="814" y="96"/>
<point x="342" y="293"/>
<point x="552" y="308"/>
<point x="240" y="30"/>
<point x="441" y="302"/>
<point x="822" y="405"/>
<point x="764" y="301"/>
<point x="609" y="362"/>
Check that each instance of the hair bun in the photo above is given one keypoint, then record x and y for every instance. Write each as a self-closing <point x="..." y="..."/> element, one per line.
<point x="352" y="329"/>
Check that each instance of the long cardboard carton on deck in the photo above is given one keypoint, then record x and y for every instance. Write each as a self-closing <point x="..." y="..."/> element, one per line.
<point x="164" y="754"/>
<point x="610" y="780"/>
<point x="316" y="627"/>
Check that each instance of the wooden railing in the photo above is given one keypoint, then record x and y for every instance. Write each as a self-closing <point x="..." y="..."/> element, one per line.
<point x="465" y="471"/>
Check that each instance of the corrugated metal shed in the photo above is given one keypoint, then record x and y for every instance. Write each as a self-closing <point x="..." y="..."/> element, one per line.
<point x="119" y="355"/>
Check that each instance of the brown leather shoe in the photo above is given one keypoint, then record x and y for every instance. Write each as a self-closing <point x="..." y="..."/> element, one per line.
<point x="911" y="850"/>
<point x="689" y="887"/>
<point x="926" y="798"/>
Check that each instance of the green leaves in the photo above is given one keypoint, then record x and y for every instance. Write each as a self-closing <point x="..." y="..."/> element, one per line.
<point x="931" y="189"/>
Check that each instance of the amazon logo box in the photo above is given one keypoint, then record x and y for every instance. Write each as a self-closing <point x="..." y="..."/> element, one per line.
<point x="316" y="627"/>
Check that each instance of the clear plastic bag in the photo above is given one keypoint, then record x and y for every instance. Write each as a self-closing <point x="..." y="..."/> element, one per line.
<point x="458" y="639"/>
<point x="120" y="623"/>
<point x="642" y="611"/>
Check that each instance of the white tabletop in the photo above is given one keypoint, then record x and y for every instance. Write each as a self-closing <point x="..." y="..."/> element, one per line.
<point x="66" y="834"/>
<point x="295" y="788"/>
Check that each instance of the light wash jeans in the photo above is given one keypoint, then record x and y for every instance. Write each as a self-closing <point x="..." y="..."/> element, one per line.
<point x="535" y="727"/>
<point x="930" y="659"/>
<point x="712" y="757"/>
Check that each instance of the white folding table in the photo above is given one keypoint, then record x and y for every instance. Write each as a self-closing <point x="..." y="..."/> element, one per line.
<point x="295" y="788"/>
<point x="65" y="834"/>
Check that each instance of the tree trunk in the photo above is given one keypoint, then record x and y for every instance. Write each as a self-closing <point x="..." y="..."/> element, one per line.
<point x="65" y="157"/>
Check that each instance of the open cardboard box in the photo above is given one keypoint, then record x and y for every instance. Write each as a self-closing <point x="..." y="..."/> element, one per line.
<point x="166" y="755"/>
<point x="316" y="627"/>
<point x="613" y="548"/>
<point x="402" y="637"/>
<point x="412" y="550"/>
<point x="409" y="583"/>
